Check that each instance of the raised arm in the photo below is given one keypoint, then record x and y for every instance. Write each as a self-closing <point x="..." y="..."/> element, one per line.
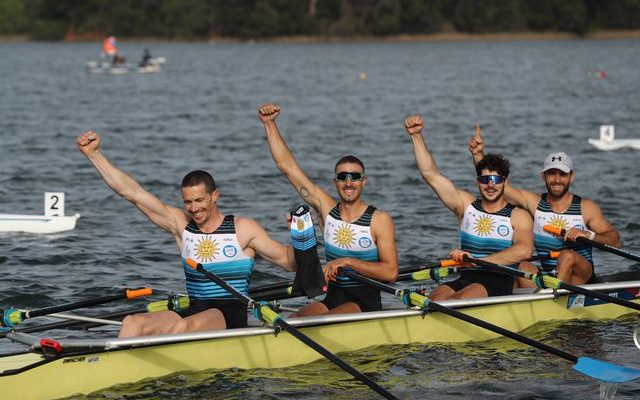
<point x="287" y="165"/>
<point x="453" y="198"/>
<point x="518" y="197"/>
<point x="386" y="268"/>
<point x="259" y="241"/>
<point x="171" y="219"/>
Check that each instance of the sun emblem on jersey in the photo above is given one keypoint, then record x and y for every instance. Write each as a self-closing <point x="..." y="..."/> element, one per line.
<point x="207" y="249"/>
<point x="484" y="226"/>
<point x="558" y="222"/>
<point x="300" y="223"/>
<point x="344" y="237"/>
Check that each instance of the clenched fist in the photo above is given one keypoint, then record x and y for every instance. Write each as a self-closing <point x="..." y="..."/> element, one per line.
<point x="88" y="142"/>
<point x="414" y="125"/>
<point x="268" y="112"/>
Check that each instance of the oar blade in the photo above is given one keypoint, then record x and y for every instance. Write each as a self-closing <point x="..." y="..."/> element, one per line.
<point x="604" y="371"/>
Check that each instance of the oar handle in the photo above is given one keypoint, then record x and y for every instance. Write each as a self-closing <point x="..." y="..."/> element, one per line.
<point x="605" y="247"/>
<point x="140" y="292"/>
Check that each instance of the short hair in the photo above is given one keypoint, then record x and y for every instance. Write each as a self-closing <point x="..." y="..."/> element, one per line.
<point x="494" y="162"/>
<point x="349" y="160"/>
<point x="194" y="178"/>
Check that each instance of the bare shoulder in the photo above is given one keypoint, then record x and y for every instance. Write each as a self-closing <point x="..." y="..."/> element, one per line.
<point x="381" y="218"/>
<point x="246" y="225"/>
<point x="178" y="215"/>
<point x="589" y="206"/>
<point x="592" y="213"/>
<point x="521" y="215"/>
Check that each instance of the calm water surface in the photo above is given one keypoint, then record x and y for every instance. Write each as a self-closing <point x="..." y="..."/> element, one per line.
<point x="200" y="112"/>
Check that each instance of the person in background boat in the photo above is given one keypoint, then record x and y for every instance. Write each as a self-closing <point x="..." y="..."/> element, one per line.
<point x="110" y="50"/>
<point x="146" y="58"/>
<point x="224" y="244"/>
<point x="559" y="207"/>
<point x="490" y="228"/>
<point x="357" y="236"/>
<point x="109" y="47"/>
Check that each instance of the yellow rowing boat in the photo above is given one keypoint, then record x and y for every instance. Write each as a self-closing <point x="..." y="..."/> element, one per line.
<point x="53" y="369"/>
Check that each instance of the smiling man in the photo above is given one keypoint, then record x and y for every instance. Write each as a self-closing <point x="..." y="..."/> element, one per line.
<point x="357" y="236"/>
<point x="223" y="244"/>
<point x="559" y="207"/>
<point x="490" y="228"/>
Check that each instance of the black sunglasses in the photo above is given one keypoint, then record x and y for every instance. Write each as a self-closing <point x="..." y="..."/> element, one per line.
<point x="354" y="176"/>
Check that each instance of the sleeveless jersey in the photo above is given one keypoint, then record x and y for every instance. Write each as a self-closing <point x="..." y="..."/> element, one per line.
<point x="218" y="252"/>
<point x="545" y="242"/>
<point x="344" y="239"/>
<point x="483" y="233"/>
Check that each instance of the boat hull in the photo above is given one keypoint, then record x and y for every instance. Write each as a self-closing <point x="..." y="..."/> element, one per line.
<point x="37" y="223"/>
<point x="120" y="361"/>
<point x="608" y="145"/>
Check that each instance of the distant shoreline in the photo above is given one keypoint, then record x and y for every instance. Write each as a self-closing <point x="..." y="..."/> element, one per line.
<point x="436" y="37"/>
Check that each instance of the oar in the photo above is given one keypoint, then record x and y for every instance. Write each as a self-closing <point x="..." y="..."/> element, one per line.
<point x="273" y="287"/>
<point x="11" y="316"/>
<point x="597" y="369"/>
<point x="83" y="318"/>
<point x="552" y="282"/>
<point x="445" y="268"/>
<point x="435" y="274"/>
<point x="271" y="317"/>
<point x="561" y="232"/>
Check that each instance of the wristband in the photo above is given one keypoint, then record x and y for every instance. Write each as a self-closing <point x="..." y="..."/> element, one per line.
<point x="592" y="234"/>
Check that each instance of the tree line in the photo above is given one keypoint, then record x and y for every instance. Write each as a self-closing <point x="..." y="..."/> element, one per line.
<point x="254" y="19"/>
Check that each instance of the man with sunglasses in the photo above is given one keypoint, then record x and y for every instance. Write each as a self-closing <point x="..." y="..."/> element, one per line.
<point x="224" y="244"/>
<point x="357" y="236"/>
<point x="559" y="207"/>
<point x="490" y="228"/>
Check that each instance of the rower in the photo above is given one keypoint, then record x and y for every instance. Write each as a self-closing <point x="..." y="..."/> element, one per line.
<point x="580" y="217"/>
<point x="109" y="47"/>
<point x="202" y="232"/>
<point x="490" y="228"/>
<point x="146" y="58"/>
<point x="357" y="236"/>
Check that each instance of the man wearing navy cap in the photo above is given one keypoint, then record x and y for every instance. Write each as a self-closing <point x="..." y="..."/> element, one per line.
<point x="560" y="208"/>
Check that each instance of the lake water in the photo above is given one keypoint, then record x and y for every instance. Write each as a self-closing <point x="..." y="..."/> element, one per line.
<point x="200" y="112"/>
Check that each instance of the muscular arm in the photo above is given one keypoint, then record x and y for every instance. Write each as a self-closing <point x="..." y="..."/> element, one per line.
<point x="522" y="246"/>
<point x="453" y="198"/>
<point x="286" y="163"/>
<point x="249" y="232"/>
<point x="595" y="221"/>
<point x="168" y="218"/>
<point x="386" y="269"/>
<point x="521" y="198"/>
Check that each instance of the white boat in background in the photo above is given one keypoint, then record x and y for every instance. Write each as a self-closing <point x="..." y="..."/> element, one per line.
<point x="105" y="67"/>
<point x="37" y="223"/>
<point x="53" y="220"/>
<point x="608" y="141"/>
